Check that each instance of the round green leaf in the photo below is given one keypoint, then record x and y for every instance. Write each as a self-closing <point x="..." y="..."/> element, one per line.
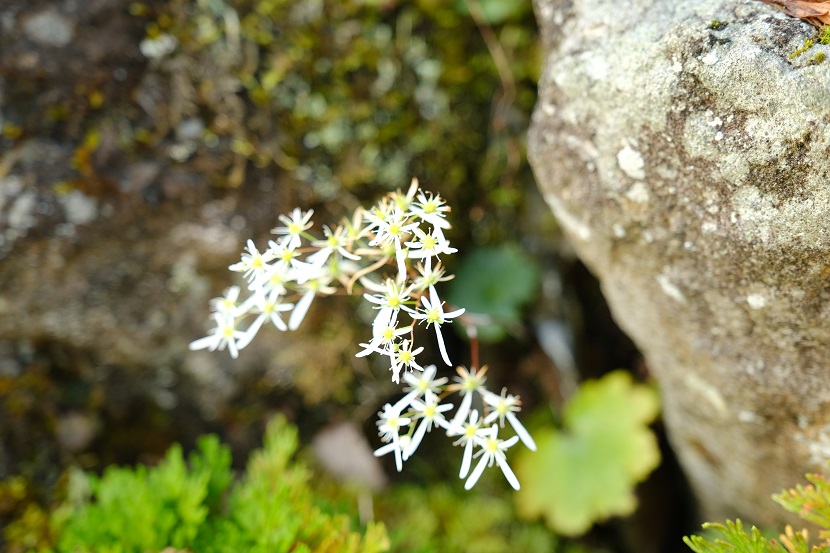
<point x="587" y="472"/>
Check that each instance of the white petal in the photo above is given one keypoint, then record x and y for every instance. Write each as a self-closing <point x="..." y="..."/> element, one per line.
<point x="434" y="300"/>
<point x="300" y="310"/>
<point x="490" y="398"/>
<point x="417" y="437"/>
<point x="506" y="444"/>
<point x="374" y="299"/>
<point x="251" y="332"/>
<point x="348" y="254"/>
<point x="453" y="314"/>
<point x="383" y="450"/>
<point x="491" y="417"/>
<point x="398" y="461"/>
<point x="508" y="473"/>
<point x="471" y="481"/>
<point x="463" y="409"/>
<point x="419" y="254"/>
<point x="465" y="461"/>
<point x="372" y="285"/>
<point x="400" y="256"/>
<point x="521" y="432"/>
<point x="277" y="320"/>
<point x="202" y="343"/>
<point x="406" y="400"/>
<point x="371" y="347"/>
<point x="232" y="348"/>
<point x="382" y="321"/>
<point x="441" y="345"/>
<point x="319" y="258"/>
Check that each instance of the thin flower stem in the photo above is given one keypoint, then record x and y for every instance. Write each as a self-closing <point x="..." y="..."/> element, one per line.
<point x="472" y="334"/>
<point x="371" y="268"/>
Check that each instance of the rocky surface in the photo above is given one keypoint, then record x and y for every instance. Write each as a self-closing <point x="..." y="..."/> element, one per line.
<point x="687" y="156"/>
<point x="110" y="251"/>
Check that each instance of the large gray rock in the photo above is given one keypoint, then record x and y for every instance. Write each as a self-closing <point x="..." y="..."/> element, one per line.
<point x="689" y="163"/>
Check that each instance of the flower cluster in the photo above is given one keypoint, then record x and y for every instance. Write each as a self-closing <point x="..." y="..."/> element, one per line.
<point x="402" y="426"/>
<point x="404" y="231"/>
<point x="393" y="252"/>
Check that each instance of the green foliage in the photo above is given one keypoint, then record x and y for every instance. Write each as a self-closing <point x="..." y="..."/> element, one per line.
<point x="196" y="506"/>
<point x="734" y="540"/>
<point x="425" y="520"/>
<point x="495" y="282"/>
<point x="824" y="35"/>
<point x="811" y="502"/>
<point x="587" y="472"/>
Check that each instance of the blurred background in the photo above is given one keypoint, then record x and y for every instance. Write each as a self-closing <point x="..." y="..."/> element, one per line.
<point x="141" y="145"/>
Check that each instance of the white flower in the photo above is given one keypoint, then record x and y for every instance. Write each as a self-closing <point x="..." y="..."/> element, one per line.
<point x="224" y="334"/>
<point x="375" y="217"/>
<point x="391" y="230"/>
<point x="389" y="426"/>
<point x="274" y="279"/>
<point x="431" y="209"/>
<point x="504" y="406"/>
<point x="382" y="342"/>
<point x="429" y="245"/>
<point x="434" y="315"/>
<point x="468" y="432"/>
<point x="467" y="383"/>
<point x="492" y="449"/>
<point x="430" y="412"/>
<point x="420" y="385"/>
<point x="402" y="200"/>
<point x="404" y="358"/>
<point x="269" y="307"/>
<point x="228" y="305"/>
<point x="294" y="227"/>
<point x="429" y="276"/>
<point x="390" y="299"/>
<point x="336" y="241"/>
<point x="287" y="256"/>
<point x="253" y="263"/>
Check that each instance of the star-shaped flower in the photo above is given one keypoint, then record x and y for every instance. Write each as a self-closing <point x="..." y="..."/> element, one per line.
<point x="433" y="314"/>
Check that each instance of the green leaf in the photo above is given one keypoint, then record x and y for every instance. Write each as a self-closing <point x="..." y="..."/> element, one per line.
<point x="735" y="540"/>
<point x="809" y="502"/>
<point x="587" y="472"/>
<point x="494" y="282"/>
